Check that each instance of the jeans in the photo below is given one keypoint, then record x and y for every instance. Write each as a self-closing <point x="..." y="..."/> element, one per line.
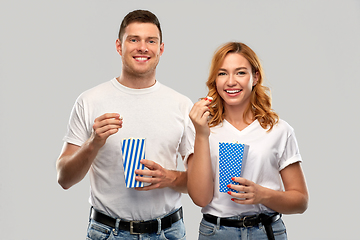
<point x="212" y="231"/>
<point x="98" y="231"/>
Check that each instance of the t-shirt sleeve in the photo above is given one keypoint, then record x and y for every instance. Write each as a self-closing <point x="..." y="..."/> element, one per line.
<point x="291" y="153"/>
<point x="186" y="147"/>
<point x="77" y="130"/>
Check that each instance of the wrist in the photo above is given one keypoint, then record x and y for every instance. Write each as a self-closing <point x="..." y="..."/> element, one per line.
<point x="178" y="180"/>
<point x="202" y="136"/>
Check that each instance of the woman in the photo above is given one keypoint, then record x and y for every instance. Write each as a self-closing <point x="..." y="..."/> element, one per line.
<point x="238" y="108"/>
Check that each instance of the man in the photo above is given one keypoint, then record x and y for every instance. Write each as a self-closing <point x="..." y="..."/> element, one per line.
<point x="134" y="105"/>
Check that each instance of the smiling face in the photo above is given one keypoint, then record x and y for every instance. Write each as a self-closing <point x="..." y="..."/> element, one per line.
<point x="234" y="81"/>
<point x="140" y="49"/>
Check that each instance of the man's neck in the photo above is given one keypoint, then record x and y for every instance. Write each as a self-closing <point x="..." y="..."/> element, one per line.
<point x="136" y="82"/>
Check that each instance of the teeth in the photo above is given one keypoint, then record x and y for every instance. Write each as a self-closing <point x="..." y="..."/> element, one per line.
<point x="232" y="91"/>
<point x="141" y="58"/>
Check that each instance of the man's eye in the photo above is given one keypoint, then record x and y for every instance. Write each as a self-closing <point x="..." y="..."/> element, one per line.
<point x="132" y="40"/>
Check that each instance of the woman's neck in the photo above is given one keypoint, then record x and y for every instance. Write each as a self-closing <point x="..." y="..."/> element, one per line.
<point x="236" y="117"/>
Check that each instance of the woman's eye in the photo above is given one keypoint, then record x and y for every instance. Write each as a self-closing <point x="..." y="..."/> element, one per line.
<point x="221" y="74"/>
<point x="241" y="73"/>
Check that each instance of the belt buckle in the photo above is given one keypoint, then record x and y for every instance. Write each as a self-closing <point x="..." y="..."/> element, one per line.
<point x="132" y="227"/>
<point x="244" y="222"/>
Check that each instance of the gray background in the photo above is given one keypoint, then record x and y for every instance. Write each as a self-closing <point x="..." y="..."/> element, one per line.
<point x="51" y="51"/>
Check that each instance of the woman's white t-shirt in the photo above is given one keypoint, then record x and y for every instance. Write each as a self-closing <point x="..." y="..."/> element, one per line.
<point x="268" y="153"/>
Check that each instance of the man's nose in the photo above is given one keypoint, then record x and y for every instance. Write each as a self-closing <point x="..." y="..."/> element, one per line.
<point x="142" y="46"/>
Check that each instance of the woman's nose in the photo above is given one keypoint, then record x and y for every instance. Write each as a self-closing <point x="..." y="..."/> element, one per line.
<point x="231" y="80"/>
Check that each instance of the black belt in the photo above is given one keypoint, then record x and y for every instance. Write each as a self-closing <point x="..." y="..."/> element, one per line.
<point x="248" y="221"/>
<point x="138" y="227"/>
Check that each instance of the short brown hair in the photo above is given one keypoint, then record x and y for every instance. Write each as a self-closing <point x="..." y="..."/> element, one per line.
<point x="142" y="16"/>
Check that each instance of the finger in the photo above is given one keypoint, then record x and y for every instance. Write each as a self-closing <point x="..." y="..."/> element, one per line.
<point x="198" y="112"/>
<point x="241" y="180"/>
<point x="106" y="130"/>
<point x="108" y="121"/>
<point x="147" y="179"/>
<point x="238" y="188"/>
<point x="147" y="188"/>
<point x="241" y="195"/>
<point x="150" y="173"/>
<point x="108" y="116"/>
<point x="150" y="164"/>
<point x="242" y="201"/>
<point x="206" y="101"/>
<point x="206" y="114"/>
<point x="209" y="99"/>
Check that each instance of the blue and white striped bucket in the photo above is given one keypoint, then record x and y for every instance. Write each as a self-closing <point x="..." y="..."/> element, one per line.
<point x="133" y="150"/>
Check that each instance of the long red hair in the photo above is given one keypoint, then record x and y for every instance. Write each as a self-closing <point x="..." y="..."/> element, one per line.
<point x="260" y="101"/>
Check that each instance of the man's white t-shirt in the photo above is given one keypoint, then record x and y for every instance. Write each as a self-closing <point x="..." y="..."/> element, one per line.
<point x="158" y="114"/>
<point x="268" y="154"/>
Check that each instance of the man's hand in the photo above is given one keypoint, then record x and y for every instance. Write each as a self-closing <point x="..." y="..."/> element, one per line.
<point x="159" y="177"/>
<point x="105" y="126"/>
<point x="74" y="161"/>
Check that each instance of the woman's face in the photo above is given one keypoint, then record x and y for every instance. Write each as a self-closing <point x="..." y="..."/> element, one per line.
<point x="235" y="80"/>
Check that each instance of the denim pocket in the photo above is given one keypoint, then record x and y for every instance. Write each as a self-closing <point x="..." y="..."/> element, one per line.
<point x="206" y="228"/>
<point x="98" y="231"/>
<point x="176" y="231"/>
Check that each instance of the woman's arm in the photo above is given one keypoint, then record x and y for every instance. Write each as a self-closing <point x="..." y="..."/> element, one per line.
<point x="200" y="181"/>
<point x="293" y="200"/>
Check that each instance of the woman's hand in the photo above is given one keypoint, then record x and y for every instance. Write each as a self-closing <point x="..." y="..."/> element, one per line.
<point x="293" y="200"/>
<point x="248" y="191"/>
<point x="199" y="116"/>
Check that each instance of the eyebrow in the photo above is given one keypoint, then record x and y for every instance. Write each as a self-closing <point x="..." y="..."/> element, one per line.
<point x="236" y="69"/>
<point x="137" y="36"/>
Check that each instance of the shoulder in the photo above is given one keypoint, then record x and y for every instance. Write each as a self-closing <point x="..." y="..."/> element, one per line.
<point x="96" y="92"/>
<point x="174" y="95"/>
<point x="282" y="127"/>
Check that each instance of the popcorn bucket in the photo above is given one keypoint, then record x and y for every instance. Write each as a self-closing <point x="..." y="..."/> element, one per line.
<point x="133" y="150"/>
<point x="231" y="160"/>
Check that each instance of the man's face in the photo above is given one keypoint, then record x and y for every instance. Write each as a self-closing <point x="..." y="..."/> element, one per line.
<point x="140" y="49"/>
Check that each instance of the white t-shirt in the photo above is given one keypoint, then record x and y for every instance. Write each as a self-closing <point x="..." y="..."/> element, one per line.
<point x="268" y="154"/>
<point x="158" y="114"/>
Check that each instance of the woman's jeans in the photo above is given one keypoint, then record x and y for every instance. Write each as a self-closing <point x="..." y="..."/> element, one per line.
<point x="212" y="231"/>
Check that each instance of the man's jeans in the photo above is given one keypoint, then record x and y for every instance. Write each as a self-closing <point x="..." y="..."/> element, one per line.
<point x="98" y="231"/>
<point x="210" y="231"/>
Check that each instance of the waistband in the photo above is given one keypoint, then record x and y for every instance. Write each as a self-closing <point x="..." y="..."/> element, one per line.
<point x="247" y="221"/>
<point x="137" y="227"/>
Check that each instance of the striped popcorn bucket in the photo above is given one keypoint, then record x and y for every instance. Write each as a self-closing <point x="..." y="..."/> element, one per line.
<point x="133" y="150"/>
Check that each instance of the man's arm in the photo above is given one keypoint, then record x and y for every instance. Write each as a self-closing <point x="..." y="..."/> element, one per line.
<point x="75" y="161"/>
<point x="161" y="177"/>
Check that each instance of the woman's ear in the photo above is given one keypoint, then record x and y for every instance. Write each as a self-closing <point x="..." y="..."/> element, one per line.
<point x="256" y="78"/>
